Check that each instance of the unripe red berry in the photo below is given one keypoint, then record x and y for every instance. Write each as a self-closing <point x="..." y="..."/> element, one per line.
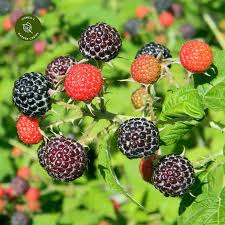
<point x="39" y="47"/>
<point x="33" y="206"/>
<point x="33" y="194"/>
<point x="24" y="172"/>
<point x="196" y="56"/>
<point x="7" y="24"/>
<point x="142" y="11"/>
<point x="166" y="19"/>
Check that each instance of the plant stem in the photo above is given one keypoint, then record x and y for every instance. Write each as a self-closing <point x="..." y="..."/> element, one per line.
<point x="214" y="29"/>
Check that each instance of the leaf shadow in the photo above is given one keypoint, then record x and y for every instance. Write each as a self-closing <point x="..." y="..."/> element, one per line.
<point x="102" y="171"/>
<point x="201" y="78"/>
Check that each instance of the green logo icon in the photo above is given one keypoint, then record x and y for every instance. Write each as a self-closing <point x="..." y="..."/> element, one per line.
<point x="28" y="27"/>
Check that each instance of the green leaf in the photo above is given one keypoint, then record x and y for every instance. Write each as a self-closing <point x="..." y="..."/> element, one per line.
<point x="213" y="94"/>
<point x="45" y="219"/>
<point x="182" y="110"/>
<point x="207" y="209"/>
<point x="5" y="164"/>
<point x="174" y="132"/>
<point x="106" y="171"/>
<point x="219" y="58"/>
<point x="182" y="103"/>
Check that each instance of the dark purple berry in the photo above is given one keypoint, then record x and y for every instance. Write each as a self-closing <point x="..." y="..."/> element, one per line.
<point x="63" y="158"/>
<point x="19" y="218"/>
<point x="138" y="138"/>
<point x="188" y="31"/>
<point x="30" y="94"/>
<point x="176" y="9"/>
<point x="19" y="185"/>
<point x="157" y="50"/>
<point x="42" y="4"/>
<point x="5" y="7"/>
<point x="15" y="15"/>
<point x="162" y="5"/>
<point x="58" y="67"/>
<point x="132" y="27"/>
<point x="100" y="42"/>
<point x="173" y="175"/>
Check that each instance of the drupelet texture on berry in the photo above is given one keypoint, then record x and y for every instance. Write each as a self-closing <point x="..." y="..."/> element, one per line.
<point x="63" y="158"/>
<point x="30" y="94"/>
<point x="146" y="69"/>
<point x="100" y="42"/>
<point x="19" y="218"/>
<point x="58" y="67"/>
<point x="19" y="185"/>
<point x="173" y="175"/>
<point x="138" y="138"/>
<point x="28" y="130"/>
<point x="196" y="56"/>
<point x="140" y="98"/>
<point x="83" y="82"/>
<point x="157" y="50"/>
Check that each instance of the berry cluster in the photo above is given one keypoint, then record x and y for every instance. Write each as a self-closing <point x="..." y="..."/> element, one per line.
<point x="167" y="14"/>
<point x="65" y="159"/>
<point x="173" y="175"/>
<point x="20" y="197"/>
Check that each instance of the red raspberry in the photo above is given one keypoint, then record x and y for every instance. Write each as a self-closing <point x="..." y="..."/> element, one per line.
<point x="10" y="193"/>
<point x="39" y="47"/>
<point x="196" y="56"/>
<point x="28" y="130"/>
<point x="141" y="11"/>
<point x="2" y="205"/>
<point x="146" y="168"/>
<point x="7" y="24"/>
<point x="166" y="19"/>
<point x="83" y="82"/>
<point x="2" y="192"/>
<point x="33" y="194"/>
<point x="24" y="172"/>
<point x="146" y="69"/>
<point x="16" y="152"/>
<point x="33" y="206"/>
<point x="20" y="208"/>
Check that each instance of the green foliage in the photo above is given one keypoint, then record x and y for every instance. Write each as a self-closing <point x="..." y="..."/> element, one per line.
<point x="185" y="117"/>
<point x="207" y="209"/>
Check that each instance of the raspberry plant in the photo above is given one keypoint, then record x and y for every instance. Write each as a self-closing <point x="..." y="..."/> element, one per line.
<point x="80" y="127"/>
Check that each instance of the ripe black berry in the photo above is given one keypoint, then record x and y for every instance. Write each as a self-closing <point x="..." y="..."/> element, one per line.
<point x="162" y="5"/>
<point x="132" y="27"/>
<point x="100" y="42"/>
<point x="157" y="50"/>
<point x="173" y="175"/>
<point x="63" y="158"/>
<point x="138" y="138"/>
<point x="58" y="67"/>
<point x="30" y="94"/>
<point x="19" y="185"/>
<point x="19" y="218"/>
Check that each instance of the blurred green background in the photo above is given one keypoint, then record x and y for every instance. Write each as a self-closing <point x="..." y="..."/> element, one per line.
<point x="89" y="200"/>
